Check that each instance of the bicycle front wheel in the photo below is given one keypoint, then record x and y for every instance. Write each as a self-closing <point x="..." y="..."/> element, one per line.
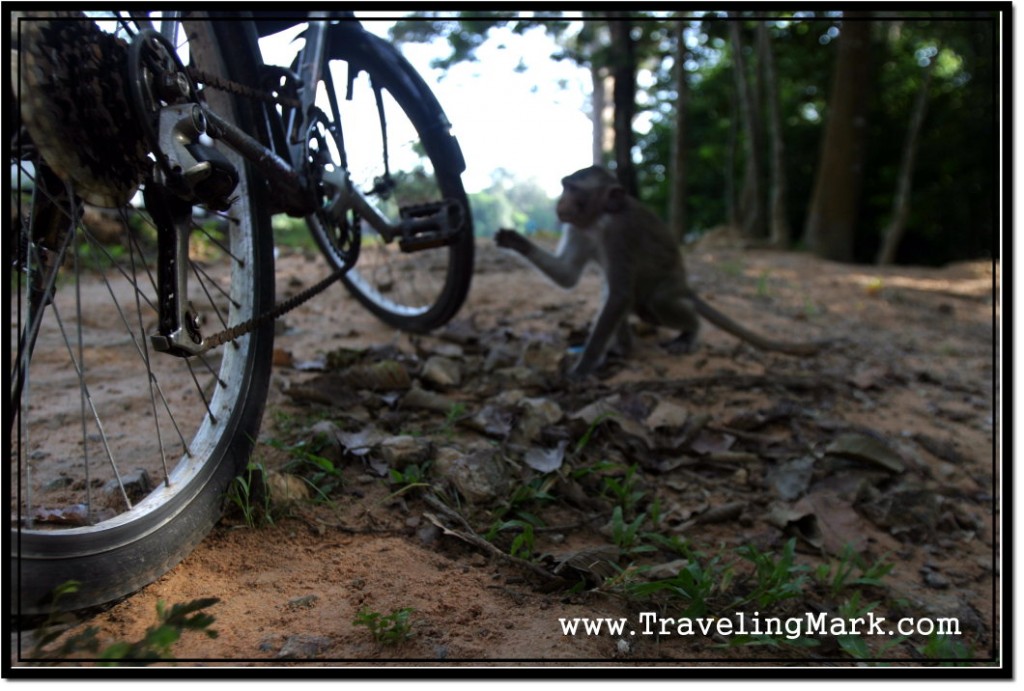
<point x="398" y="149"/>
<point x="121" y="454"/>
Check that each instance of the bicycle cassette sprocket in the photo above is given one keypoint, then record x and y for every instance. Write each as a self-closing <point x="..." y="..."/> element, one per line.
<point x="75" y="107"/>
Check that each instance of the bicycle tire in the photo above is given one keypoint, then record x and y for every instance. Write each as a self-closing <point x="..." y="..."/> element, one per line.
<point x="113" y="556"/>
<point x="375" y="281"/>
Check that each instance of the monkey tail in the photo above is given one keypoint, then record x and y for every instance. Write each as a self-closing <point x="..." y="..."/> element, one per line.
<point x="757" y="340"/>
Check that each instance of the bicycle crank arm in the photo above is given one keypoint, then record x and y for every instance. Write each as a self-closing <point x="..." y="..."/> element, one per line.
<point x="178" y="327"/>
<point x="288" y="186"/>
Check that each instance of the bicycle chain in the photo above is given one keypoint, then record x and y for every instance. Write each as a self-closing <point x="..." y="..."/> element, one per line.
<point x="280" y="309"/>
<point x="232" y="87"/>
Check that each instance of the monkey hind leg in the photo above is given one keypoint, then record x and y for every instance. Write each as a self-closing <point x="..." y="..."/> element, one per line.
<point x="676" y="311"/>
<point x="683" y="344"/>
<point x="622" y="344"/>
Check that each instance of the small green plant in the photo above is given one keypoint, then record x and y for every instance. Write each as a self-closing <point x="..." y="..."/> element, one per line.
<point x="839" y="575"/>
<point x="626" y="534"/>
<point x="387" y="629"/>
<point x="249" y="494"/>
<point x="584" y="441"/>
<point x="673" y="544"/>
<point x="855" y="645"/>
<point x="774" y="579"/>
<point x="537" y="490"/>
<point x="171" y="623"/>
<point x="763" y="288"/>
<point x="316" y="470"/>
<point x="945" y="648"/>
<point x="154" y="646"/>
<point x="522" y="546"/>
<point x="625" y="492"/>
<point x="412" y="477"/>
<point x="697" y="583"/>
<point x="454" y="415"/>
<point x="811" y="308"/>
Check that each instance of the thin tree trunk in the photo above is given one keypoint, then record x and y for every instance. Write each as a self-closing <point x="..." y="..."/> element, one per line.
<point x="751" y="209"/>
<point x="678" y="186"/>
<point x="778" y="223"/>
<point x="624" y="100"/>
<point x="832" y="215"/>
<point x="599" y="104"/>
<point x="901" y="202"/>
<point x="731" y="215"/>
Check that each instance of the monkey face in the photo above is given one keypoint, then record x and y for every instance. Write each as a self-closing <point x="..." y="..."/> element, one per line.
<point x="587" y="194"/>
<point x="573" y="204"/>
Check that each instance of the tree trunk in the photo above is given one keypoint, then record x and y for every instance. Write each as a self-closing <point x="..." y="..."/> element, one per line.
<point x="624" y="100"/>
<point x="778" y="223"/>
<point x="599" y="104"/>
<point x="729" y="188"/>
<point x="901" y="202"/>
<point x="751" y="208"/>
<point x="832" y="215"/>
<point x="677" y="187"/>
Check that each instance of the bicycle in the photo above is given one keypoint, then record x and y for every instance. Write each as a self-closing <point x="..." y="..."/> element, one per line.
<point x="179" y="123"/>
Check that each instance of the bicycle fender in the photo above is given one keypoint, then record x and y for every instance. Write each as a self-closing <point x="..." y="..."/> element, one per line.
<point x="376" y="51"/>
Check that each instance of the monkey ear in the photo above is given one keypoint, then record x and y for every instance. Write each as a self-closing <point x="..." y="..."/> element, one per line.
<point x="615" y="200"/>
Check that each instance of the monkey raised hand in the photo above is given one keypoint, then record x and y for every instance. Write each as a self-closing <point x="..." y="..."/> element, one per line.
<point x="512" y="240"/>
<point x="642" y="265"/>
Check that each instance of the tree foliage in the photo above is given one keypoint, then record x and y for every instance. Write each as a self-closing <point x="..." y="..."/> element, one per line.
<point x="512" y="203"/>
<point x="953" y="198"/>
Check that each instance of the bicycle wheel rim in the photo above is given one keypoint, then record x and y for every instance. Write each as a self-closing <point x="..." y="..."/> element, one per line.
<point x="416" y="291"/>
<point x="200" y="416"/>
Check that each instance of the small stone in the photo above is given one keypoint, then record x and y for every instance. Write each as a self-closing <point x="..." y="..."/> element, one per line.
<point x="136" y="485"/>
<point x="304" y="646"/>
<point x="404" y="450"/>
<point x="442" y="372"/>
<point x="934" y="579"/>
<point x="58" y="483"/>
<point x="417" y="398"/>
<point x="303" y="602"/>
<point x="286" y="489"/>
<point x="479" y="476"/>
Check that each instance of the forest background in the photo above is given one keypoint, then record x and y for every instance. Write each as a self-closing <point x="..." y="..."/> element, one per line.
<point x="861" y="137"/>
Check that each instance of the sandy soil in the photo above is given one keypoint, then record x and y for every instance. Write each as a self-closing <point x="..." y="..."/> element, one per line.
<point x="914" y="368"/>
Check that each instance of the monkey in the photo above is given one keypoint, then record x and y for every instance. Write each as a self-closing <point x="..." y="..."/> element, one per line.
<point x="643" y="270"/>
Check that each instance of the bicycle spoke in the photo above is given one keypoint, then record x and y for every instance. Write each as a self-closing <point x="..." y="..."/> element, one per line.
<point x="114" y="483"/>
<point x="86" y="398"/>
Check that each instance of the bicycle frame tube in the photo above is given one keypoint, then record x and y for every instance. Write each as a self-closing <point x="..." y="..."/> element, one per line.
<point x="310" y="61"/>
<point x="287" y="177"/>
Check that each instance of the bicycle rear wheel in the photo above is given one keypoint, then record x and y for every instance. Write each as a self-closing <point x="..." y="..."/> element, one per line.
<point x="122" y="454"/>
<point x="398" y="149"/>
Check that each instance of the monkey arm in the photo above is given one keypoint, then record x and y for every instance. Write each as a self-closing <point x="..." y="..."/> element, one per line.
<point x="564" y="267"/>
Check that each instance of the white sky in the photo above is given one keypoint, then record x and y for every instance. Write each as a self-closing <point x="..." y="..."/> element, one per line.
<point x="526" y="122"/>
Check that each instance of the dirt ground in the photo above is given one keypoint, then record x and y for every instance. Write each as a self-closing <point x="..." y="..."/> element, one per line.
<point x="885" y="441"/>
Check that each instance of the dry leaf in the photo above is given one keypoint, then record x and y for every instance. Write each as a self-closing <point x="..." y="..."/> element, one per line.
<point x="546" y="460"/>
<point x="861" y="447"/>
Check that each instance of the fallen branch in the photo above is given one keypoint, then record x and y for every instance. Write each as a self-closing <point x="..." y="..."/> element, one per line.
<point x="469" y="536"/>
<point x="797" y="382"/>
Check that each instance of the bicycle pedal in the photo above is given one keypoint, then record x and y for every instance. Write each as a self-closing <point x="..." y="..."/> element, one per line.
<point x="427" y="241"/>
<point x="428" y="226"/>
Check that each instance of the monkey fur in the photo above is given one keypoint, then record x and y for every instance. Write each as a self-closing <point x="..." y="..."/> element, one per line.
<point x="642" y="264"/>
